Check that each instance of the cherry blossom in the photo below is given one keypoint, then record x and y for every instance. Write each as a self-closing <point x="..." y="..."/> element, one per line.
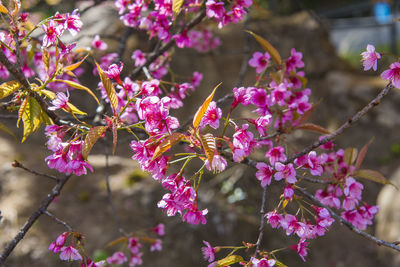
<point x="370" y="58"/>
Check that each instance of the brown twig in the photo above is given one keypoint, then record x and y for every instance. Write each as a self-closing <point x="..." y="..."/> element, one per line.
<point x="349" y="225"/>
<point x="51" y="215"/>
<point x="33" y="218"/>
<point x="346" y="125"/>
<point x="155" y="54"/>
<point x="262" y="221"/>
<point x="17" y="164"/>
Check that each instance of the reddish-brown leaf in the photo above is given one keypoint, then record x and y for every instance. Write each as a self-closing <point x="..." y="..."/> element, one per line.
<point x="209" y="145"/>
<point x="91" y="138"/>
<point x="276" y="57"/>
<point x="202" y="110"/>
<point x="167" y="143"/>
<point x="313" y="127"/>
<point x="362" y="153"/>
<point x="350" y="155"/>
<point x="109" y="87"/>
<point x="375" y="176"/>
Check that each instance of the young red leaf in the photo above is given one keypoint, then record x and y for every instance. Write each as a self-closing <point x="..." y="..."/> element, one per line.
<point x="109" y="87"/>
<point x="91" y="138"/>
<point x="167" y="143"/>
<point x="374" y="176"/>
<point x="276" y="57"/>
<point x="202" y="110"/>
<point x="3" y="9"/>
<point x="350" y="155"/>
<point x="209" y="145"/>
<point x="313" y="127"/>
<point x="75" y="65"/>
<point x="362" y="153"/>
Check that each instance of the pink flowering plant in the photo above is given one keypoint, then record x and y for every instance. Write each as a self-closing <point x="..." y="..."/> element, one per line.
<point x="142" y="102"/>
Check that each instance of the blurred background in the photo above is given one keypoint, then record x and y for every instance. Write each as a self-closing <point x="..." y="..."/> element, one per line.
<point x="330" y="34"/>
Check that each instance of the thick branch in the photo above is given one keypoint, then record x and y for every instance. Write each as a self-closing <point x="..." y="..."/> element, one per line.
<point x="349" y="225"/>
<point x="33" y="218"/>
<point x="346" y="125"/>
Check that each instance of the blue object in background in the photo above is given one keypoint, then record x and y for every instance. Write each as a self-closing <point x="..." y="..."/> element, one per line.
<point x="382" y="12"/>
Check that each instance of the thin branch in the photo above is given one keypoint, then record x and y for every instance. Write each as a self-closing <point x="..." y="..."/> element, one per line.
<point x="155" y="54"/>
<point x="262" y="221"/>
<point x="109" y="194"/>
<point x="349" y="225"/>
<point x="66" y="225"/>
<point x="315" y="180"/>
<point x="346" y="125"/>
<point x="122" y="42"/>
<point x="17" y="164"/>
<point x="33" y="218"/>
<point x="245" y="65"/>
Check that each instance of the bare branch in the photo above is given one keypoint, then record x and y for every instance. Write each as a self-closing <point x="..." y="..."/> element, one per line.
<point x="66" y="225"/>
<point x="346" y="125"/>
<point x="33" y="218"/>
<point x="17" y="164"/>
<point x="262" y="221"/>
<point x="349" y="225"/>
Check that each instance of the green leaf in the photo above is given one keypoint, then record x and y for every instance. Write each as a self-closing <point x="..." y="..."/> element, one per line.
<point x="313" y="127"/>
<point x="80" y="87"/>
<point x="31" y="117"/>
<point x="374" y="176"/>
<point x="5" y="129"/>
<point x="229" y="260"/>
<point x="362" y="154"/>
<point x="167" y="143"/>
<point x="8" y="88"/>
<point x="350" y="155"/>
<point x="202" y="110"/>
<point x="176" y="6"/>
<point x="91" y="138"/>
<point x="276" y="57"/>
<point x="280" y="264"/>
<point x="109" y="87"/>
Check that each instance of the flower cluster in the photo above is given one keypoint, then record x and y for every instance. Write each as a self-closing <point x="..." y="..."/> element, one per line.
<point x="67" y="157"/>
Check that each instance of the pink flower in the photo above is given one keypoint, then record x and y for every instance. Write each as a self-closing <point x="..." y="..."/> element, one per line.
<point x="276" y="154"/>
<point x="264" y="173"/>
<point x="393" y="74"/>
<point x="274" y="218"/>
<point x="60" y="101"/>
<point x="98" y="43"/>
<point x="301" y="248"/>
<point x="73" y="22"/>
<point x="139" y="57"/>
<point x="136" y="259"/>
<point x="159" y="229"/>
<point x="259" y="61"/>
<point x="114" y="72"/>
<point x="212" y="116"/>
<point x="288" y="192"/>
<point x="218" y="164"/>
<point x="370" y="58"/>
<point x="52" y="32"/>
<point x="264" y="262"/>
<point x="353" y="188"/>
<point x="196" y="78"/>
<point x="54" y="247"/>
<point x="294" y="61"/>
<point x="70" y="253"/>
<point x="195" y="216"/>
<point x="215" y="9"/>
<point x="157" y="245"/>
<point x="61" y="239"/>
<point x="262" y="123"/>
<point x="134" y="245"/>
<point x="285" y="171"/>
<point x="117" y="258"/>
<point x="208" y="252"/>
